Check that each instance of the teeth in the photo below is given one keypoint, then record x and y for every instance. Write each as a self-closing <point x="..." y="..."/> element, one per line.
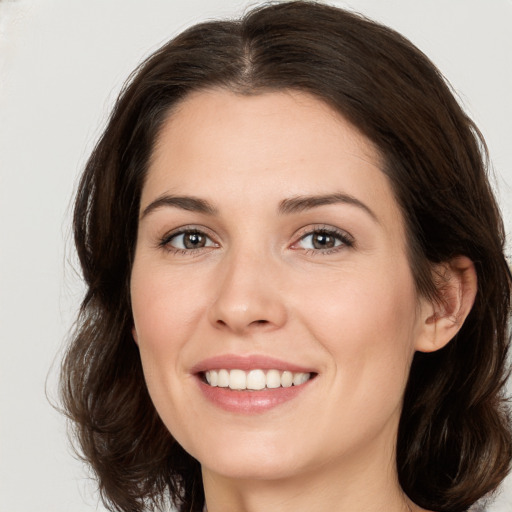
<point x="300" y="378"/>
<point x="286" y="379"/>
<point x="223" y="379"/>
<point x="273" y="379"/>
<point x="237" y="379"/>
<point x="255" y="379"/>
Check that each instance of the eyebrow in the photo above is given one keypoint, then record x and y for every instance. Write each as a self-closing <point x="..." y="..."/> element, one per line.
<point x="190" y="203"/>
<point x="286" y="206"/>
<point x="301" y="203"/>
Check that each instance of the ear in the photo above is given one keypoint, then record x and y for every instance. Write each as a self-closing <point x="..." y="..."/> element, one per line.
<point x="135" y="335"/>
<point x="441" y="319"/>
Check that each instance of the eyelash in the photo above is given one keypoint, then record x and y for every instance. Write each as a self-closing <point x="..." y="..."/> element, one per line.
<point x="164" y="243"/>
<point x="346" y="241"/>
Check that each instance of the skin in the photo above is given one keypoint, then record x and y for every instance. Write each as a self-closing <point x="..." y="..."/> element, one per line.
<point x="259" y="287"/>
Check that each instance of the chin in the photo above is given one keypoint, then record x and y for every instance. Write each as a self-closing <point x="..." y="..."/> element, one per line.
<point x="255" y="456"/>
<point x="235" y="466"/>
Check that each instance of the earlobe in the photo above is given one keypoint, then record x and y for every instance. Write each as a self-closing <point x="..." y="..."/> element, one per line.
<point x="135" y="336"/>
<point x="442" y="319"/>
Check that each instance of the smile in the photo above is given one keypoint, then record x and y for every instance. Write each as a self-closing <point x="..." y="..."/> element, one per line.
<point x="251" y="384"/>
<point x="255" y="380"/>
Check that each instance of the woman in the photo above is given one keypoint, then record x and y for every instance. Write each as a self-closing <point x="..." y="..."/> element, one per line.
<point x="297" y="294"/>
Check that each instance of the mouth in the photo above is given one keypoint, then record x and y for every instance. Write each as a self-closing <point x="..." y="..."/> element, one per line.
<point x="251" y="384"/>
<point x="255" y="379"/>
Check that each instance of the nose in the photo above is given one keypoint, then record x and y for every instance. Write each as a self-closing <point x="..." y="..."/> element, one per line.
<point x="248" y="295"/>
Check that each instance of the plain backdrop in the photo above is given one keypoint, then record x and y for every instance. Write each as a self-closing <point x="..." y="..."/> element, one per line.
<point x="62" y="62"/>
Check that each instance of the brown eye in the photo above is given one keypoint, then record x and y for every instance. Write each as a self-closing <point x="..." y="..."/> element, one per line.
<point x="189" y="240"/>
<point x="193" y="240"/>
<point x="322" y="240"/>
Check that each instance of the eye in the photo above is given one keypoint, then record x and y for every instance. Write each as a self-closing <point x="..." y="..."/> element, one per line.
<point x="325" y="240"/>
<point x="188" y="240"/>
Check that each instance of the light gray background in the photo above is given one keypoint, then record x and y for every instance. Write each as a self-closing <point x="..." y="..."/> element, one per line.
<point x="62" y="63"/>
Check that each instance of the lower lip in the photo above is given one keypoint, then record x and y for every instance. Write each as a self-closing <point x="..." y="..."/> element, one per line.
<point x="250" y="402"/>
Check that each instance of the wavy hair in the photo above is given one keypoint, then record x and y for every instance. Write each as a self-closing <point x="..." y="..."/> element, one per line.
<point x="454" y="440"/>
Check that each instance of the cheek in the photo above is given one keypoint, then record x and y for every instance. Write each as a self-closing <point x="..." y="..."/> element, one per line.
<point x="366" y="320"/>
<point x="164" y="306"/>
<point x="367" y="326"/>
<point x="354" y="300"/>
<point x="166" y="310"/>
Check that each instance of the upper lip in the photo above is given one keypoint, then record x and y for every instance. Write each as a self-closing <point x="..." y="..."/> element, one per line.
<point x="246" y="363"/>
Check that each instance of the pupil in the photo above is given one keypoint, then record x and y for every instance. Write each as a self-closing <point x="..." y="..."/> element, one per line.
<point x="323" y="241"/>
<point x="193" y="240"/>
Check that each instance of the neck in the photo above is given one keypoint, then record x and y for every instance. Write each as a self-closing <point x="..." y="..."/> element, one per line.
<point x="369" y="484"/>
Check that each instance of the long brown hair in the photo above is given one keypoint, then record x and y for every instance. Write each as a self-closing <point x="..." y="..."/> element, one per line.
<point x="454" y="440"/>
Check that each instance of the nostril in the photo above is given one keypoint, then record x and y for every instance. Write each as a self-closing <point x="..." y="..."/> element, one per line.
<point x="241" y="326"/>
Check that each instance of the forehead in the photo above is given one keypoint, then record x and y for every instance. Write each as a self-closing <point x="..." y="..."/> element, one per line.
<point x="298" y="116"/>
<point x="262" y="148"/>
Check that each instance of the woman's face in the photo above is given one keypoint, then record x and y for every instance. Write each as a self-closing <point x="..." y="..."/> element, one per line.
<point x="271" y="249"/>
